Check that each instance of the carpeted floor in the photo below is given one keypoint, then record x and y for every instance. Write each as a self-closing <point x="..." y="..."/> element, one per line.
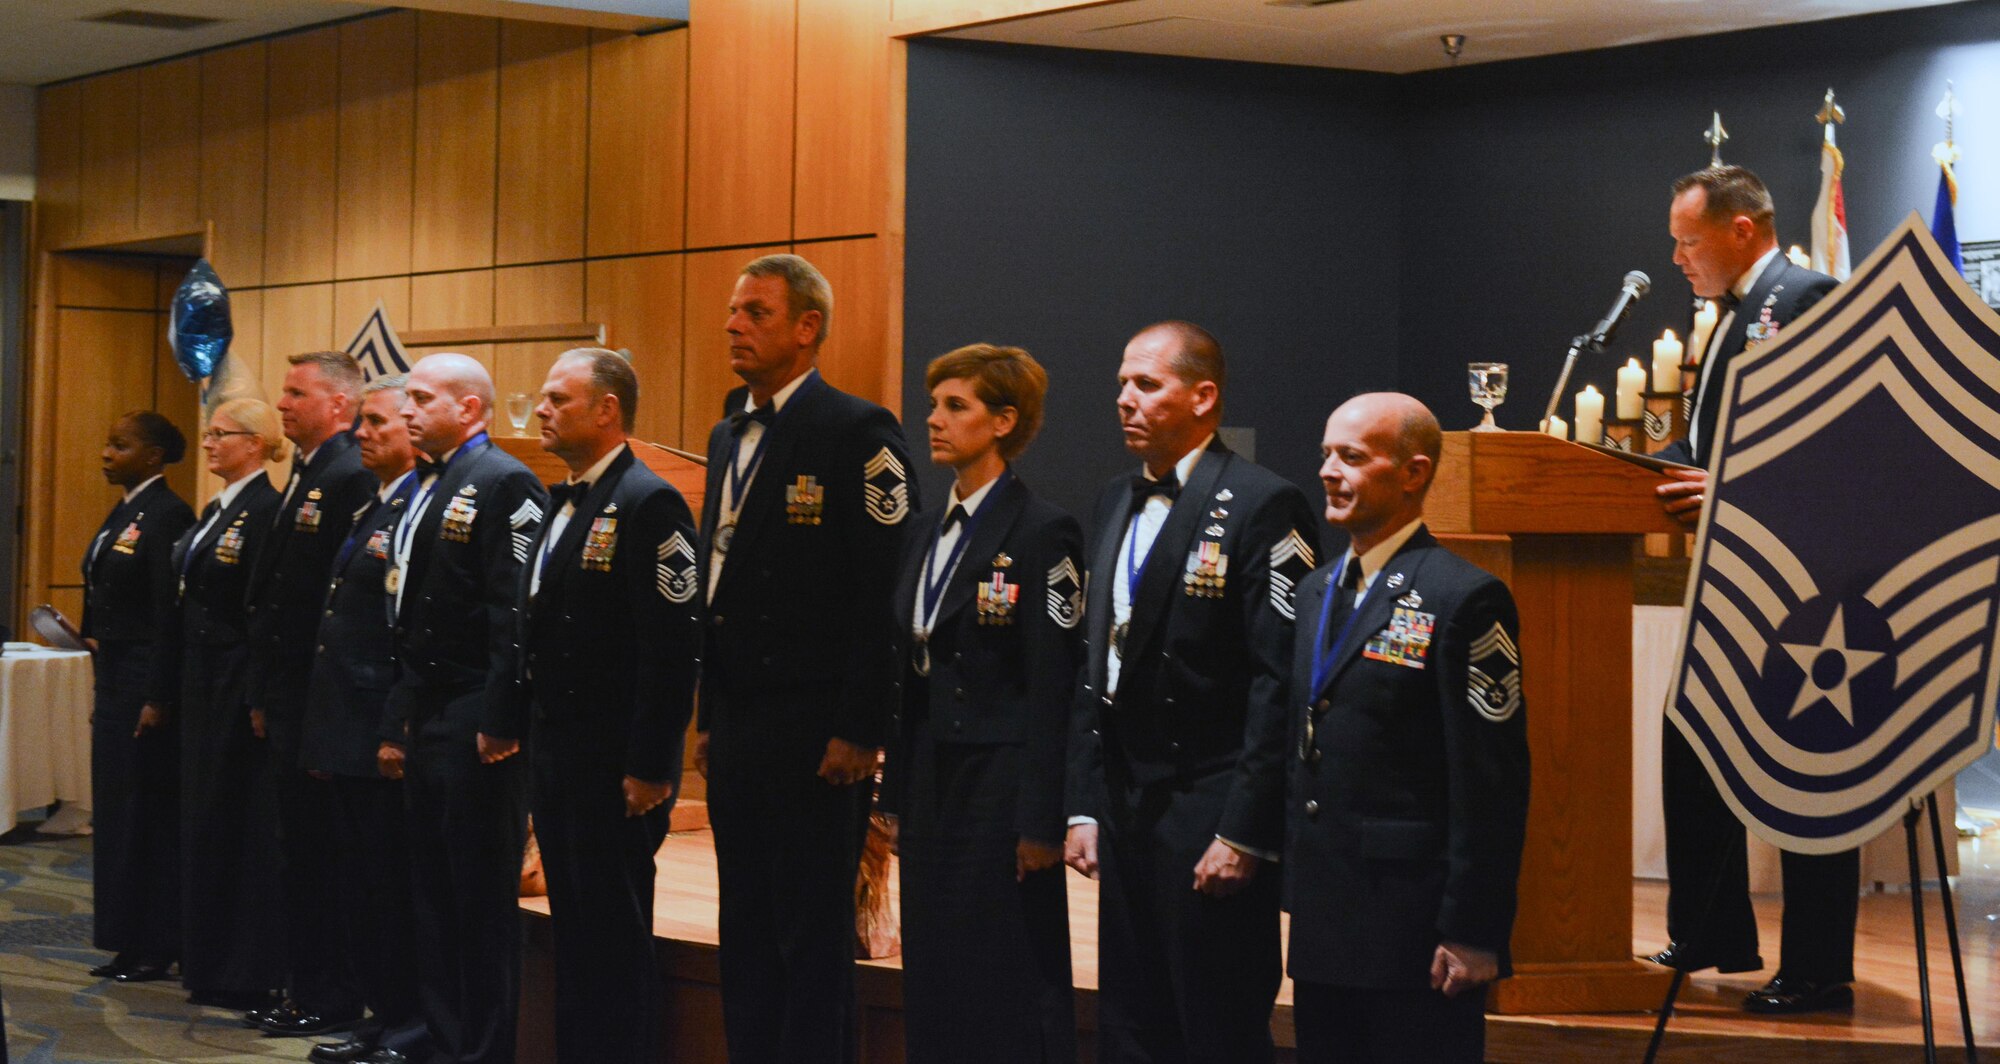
<point x="58" y="1014"/>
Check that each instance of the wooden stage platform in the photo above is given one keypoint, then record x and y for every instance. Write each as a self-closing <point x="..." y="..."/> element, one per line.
<point x="1708" y="1028"/>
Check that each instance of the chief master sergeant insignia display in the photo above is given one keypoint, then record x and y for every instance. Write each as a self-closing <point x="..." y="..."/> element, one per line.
<point x="675" y="574"/>
<point x="1836" y="664"/>
<point x="885" y="488"/>
<point x="1493" y="674"/>
<point x="1291" y="560"/>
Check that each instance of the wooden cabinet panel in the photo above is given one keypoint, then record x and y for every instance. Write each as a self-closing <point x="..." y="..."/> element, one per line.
<point x="532" y="295"/>
<point x="106" y="281"/>
<point x="169" y="148"/>
<point x="353" y="301"/>
<point x="458" y="93"/>
<point x="842" y="119"/>
<point x="232" y="161"/>
<point x="639" y="301"/>
<point x="118" y="346"/>
<point x="377" y="144"/>
<point x="706" y="379"/>
<point x="296" y="319"/>
<point x="109" y="168"/>
<point x="449" y="301"/>
<point x="303" y="78"/>
<point x="58" y="155"/>
<point x="246" y="316"/>
<point x="544" y="121"/>
<point x="856" y="357"/>
<point x="743" y="82"/>
<point x="638" y="142"/>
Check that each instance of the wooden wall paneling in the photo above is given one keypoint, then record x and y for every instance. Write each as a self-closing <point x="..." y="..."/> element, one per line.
<point x="298" y="318"/>
<point x="303" y="78"/>
<point x="246" y="350"/>
<point x="740" y="124"/>
<point x="232" y="161"/>
<point x="106" y="281"/>
<point x="544" y="128"/>
<point x="169" y="196"/>
<point x="458" y="94"/>
<point x="705" y="377"/>
<point x="450" y="301"/>
<point x="117" y="345"/>
<point x="109" y="171"/>
<point x="354" y="300"/>
<point x="377" y="145"/>
<point x="58" y="160"/>
<point x="857" y="357"/>
<point x="531" y="295"/>
<point x="842" y="119"/>
<point x="638" y="142"/>
<point x="639" y="301"/>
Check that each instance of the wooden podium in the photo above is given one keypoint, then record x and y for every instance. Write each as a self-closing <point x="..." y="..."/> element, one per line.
<point x="1559" y="523"/>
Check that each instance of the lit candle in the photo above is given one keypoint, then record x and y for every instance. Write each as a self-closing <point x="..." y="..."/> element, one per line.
<point x="1557" y="427"/>
<point x="1704" y="327"/>
<point x="1631" y="390"/>
<point x="1590" y="415"/>
<point x="1799" y="257"/>
<point x="1667" y="354"/>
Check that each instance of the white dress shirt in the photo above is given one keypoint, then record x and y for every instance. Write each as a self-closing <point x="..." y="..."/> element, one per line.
<point x="1139" y="534"/>
<point x="560" y="520"/>
<point x="1740" y="289"/>
<point x="746" y="450"/>
<point x="940" y="564"/>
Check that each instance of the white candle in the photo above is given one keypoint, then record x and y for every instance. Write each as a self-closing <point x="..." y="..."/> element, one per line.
<point x="1667" y="352"/>
<point x="1557" y="427"/>
<point x="1704" y="327"/>
<point x="1799" y="257"/>
<point x="1590" y="415"/>
<point x="1631" y="391"/>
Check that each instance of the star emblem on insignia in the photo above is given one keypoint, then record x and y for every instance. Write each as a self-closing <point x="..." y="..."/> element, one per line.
<point x="1830" y="667"/>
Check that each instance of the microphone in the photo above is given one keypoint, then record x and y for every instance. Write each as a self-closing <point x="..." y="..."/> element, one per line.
<point x="1637" y="284"/>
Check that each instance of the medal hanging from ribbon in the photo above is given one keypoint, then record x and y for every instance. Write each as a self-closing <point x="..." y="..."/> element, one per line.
<point x="738" y="483"/>
<point x="1326" y="656"/>
<point x="933" y="590"/>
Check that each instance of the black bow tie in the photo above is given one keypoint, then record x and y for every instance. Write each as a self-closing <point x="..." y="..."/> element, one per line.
<point x="428" y="466"/>
<point x="1729" y="301"/>
<point x="955" y="517"/>
<point x="739" y="423"/>
<point x="1144" y="487"/>
<point x="298" y="463"/>
<point x="566" y="492"/>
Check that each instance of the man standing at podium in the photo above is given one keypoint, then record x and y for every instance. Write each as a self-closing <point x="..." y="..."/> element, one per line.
<point x="1725" y="241"/>
<point x="1407" y="803"/>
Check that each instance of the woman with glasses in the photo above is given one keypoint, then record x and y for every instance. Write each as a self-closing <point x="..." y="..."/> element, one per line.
<point x="991" y="597"/>
<point x="129" y="603"/>
<point x="231" y="929"/>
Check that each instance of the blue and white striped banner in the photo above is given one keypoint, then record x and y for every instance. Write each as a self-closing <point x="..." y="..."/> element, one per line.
<point x="1840" y="651"/>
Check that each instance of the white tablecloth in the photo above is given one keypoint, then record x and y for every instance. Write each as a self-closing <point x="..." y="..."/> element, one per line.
<point x="1656" y="633"/>
<point x="45" y="702"/>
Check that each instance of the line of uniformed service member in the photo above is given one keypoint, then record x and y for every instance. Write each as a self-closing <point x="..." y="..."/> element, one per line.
<point x="1184" y="705"/>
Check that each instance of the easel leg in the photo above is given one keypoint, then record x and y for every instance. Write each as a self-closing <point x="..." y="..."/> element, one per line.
<point x="1666" y="1014"/>
<point x="1917" y="916"/>
<point x="1951" y="930"/>
<point x="1737" y="840"/>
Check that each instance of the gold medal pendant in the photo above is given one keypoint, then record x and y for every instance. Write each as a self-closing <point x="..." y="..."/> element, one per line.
<point x="392" y="581"/>
<point x="722" y="537"/>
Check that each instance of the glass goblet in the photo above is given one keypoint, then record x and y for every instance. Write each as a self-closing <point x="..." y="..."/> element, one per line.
<point x="1488" y="383"/>
<point x="518" y="408"/>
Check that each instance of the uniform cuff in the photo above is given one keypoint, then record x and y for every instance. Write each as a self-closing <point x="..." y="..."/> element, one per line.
<point x="1262" y="855"/>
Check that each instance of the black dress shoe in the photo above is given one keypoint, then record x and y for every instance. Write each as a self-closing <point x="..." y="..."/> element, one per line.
<point x="340" y="1052"/>
<point x="254" y="1019"/>
<point x="1677" y="956"/>
<point x="1786" y="994"/>
<point x="293" y="1022"/>
<point x="144" y="972"/>
<point x="385" y="1055"/>
<point x="111" y="968"/>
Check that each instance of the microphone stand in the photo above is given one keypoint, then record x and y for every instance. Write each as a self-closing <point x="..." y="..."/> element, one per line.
<point x="1593" y="344"/>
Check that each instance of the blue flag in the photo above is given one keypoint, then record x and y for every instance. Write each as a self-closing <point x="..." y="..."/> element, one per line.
<point x="1944" y="224"/>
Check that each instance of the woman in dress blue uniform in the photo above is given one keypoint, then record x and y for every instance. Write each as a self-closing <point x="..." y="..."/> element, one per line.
<point x="128" y="602"/>
<point x="230" y="930"/>
<point x="991" y="597"/>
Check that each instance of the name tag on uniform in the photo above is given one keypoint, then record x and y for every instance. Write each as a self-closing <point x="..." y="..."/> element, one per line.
<point x="1406" y="641"/>
<point x="128" y="540"/>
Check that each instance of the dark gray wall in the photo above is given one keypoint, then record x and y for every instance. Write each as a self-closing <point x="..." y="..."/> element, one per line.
<point x="1533" y="186"/>
<point x="1342" y="232"/>
<point x="1062" y="200"/>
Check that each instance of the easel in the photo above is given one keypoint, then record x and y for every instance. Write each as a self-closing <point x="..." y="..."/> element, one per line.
<point x="1916" y="813"/>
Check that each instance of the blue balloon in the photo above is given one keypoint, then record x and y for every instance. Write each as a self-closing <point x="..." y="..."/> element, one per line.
<point x="201" y="331"/>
